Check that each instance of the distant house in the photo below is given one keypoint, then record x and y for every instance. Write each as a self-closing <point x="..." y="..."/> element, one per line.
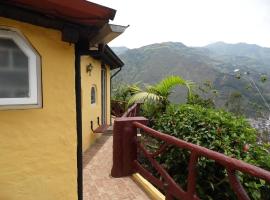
<point x="54" y="92"/>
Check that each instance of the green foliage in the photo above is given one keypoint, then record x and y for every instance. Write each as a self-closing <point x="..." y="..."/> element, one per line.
<point x="238" y="76"/>
<point x="219" y="131"/>
<point x="123" y="92"/>
<point x="263" y="78"/>
<point x="152" y="63"/>
<point x="160" y="92"/>
<point x="198" y="100"/>
<point x="235" y="104"/>
<point x="156" y="97"/>
<point x="120" y="97"/>
<point x="205" y="95"/>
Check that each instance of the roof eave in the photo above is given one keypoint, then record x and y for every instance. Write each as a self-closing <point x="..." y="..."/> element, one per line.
<point x="108" y="33"/>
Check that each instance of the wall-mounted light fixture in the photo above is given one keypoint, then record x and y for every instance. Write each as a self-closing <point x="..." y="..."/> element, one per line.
<point x="89" y="68"/>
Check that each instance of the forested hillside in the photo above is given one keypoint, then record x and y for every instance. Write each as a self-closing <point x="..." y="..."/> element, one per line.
<point x="215" y="64"/>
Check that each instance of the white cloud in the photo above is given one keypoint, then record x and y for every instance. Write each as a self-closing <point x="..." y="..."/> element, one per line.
<point x="193" y="22"/>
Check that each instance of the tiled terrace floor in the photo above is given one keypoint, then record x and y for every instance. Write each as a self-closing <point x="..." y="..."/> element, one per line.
<point x="98" y="184"/>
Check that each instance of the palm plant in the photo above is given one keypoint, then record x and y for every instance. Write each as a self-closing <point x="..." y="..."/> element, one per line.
<point x="159" y="93"/>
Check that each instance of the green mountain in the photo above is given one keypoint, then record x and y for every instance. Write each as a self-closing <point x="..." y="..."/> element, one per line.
<point x="214" y="63"/>
<point x="251" y="51"/>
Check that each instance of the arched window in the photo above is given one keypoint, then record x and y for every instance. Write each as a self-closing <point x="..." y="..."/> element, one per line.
<point x="20" y="77"/>
<point x="93" y="94"/>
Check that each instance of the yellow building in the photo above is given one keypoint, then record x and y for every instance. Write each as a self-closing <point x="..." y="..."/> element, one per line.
<point x="54" y="92"/>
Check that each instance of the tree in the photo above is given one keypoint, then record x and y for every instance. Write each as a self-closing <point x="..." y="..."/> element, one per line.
<point x="204" y="96"/>
<point x="158" y="95"/>
<point x="234" y="103"/>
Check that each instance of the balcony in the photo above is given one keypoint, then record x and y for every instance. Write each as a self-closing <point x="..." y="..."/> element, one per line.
<point x="125" y="163"/>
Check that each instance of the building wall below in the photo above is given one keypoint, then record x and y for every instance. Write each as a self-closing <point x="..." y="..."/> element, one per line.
<point x="38" y="146"/>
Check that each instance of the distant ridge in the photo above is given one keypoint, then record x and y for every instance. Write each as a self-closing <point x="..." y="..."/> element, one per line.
<point x="215" y="62"/>
<point x="120" y="50"/>
<point x="241" y="49"/>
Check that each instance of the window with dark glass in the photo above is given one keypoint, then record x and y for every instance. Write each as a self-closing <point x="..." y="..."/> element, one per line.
<point x="14" y="79"/>
<point x="19" y="72"/>
<point x="93" y="95"/>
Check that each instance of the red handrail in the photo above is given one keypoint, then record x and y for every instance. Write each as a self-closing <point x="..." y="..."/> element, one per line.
<point x="118" y="107"/>
<point x="173" y="190"/>
<point x="125" y="159"/>
<point x="132" y="111"/>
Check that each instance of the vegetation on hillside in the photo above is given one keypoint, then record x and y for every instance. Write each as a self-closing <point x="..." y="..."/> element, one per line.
<point x="214" y="63"/>
<point x="219" y="131"/>
<point x="199" y="122"/>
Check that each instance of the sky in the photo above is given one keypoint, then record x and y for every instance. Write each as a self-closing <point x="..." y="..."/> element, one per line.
<point x="192" y="22"/>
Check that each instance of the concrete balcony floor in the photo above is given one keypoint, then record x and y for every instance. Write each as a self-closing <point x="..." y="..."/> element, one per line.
<point x="98" y="184"/>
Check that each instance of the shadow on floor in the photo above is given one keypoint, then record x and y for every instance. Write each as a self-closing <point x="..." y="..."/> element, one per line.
<point x="91" y="152"/>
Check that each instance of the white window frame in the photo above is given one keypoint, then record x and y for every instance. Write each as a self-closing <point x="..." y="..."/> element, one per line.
<point x="34" y="73"/>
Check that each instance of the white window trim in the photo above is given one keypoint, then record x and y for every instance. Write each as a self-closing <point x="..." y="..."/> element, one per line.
<point x="35" y="95"/>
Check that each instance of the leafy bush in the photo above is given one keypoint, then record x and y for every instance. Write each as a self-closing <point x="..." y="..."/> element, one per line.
<point x="195" y="99"/>
<point x="156" y="97"/>
<point x="119" y="100"/>
<point x="121" y="93"/>
<point x="204" y="96"/>
<point x="219" y="131"/>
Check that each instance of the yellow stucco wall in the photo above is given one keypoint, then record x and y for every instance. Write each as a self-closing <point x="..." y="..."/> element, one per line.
<point x="90" y="112"/>
<point x="38" y="146"/>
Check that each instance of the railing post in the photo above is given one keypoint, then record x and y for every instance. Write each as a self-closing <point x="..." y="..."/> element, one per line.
<point x="137" y="109"/>
<point x="124" y="145"/>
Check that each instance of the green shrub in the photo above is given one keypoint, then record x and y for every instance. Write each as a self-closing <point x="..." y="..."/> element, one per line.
<point x="121" y="93"/>
<point x="195" y="99"/>
<point x="219" y="131"/>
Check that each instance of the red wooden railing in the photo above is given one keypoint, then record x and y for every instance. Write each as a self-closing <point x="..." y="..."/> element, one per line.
<point x="231" y="165"/>
<point x="133" y="111"/>
<point x="125" y="163"/>
<point x="118" y="107"/>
